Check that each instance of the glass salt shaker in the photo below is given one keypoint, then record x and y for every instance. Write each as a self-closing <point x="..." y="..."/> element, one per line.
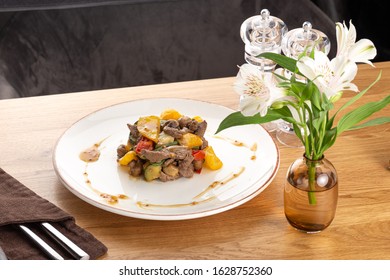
<point x="262" y="33"/>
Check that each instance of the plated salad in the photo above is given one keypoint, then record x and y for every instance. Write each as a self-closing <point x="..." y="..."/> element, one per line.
<point x="167" y="147"/>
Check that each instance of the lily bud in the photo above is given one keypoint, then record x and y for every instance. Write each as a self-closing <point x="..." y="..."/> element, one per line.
<point x="278" y="104"/>
<point x="336" y="97"/>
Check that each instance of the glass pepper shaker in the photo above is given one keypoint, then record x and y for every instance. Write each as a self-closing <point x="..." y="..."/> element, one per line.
<point x="262" y="33"/>
<point x="300" y="40"/>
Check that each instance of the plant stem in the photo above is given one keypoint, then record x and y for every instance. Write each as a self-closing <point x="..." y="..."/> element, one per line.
<point x="302" y="119"/>
<point x="309" y="150"/>
<point x="312" y="183"/>
<point x="321" y="136"/>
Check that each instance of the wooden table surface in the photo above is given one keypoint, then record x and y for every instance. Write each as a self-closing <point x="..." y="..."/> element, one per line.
<point x="257" y="229"/>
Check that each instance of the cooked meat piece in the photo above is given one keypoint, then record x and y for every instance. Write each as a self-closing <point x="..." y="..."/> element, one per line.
<point x="186" y="130"/>
<point x="133" y="131"/>
<point x="121" y="151"/>
<point x="205" y="143"/>
<point x="179" y="152"/>
<point x="164" y="177"/>
<point x="174" y="132"/>
<point x="156" y="156"/>
<point x="186" y="171"/>
<point x="193" y="125"/>
<point x="171" y="123"/>
<point x="198" y="164"/>
<point x="169" y="161"/>
<point x="202" y="126"/>
<point x="184" y="121"/>
<point x="187" y="160"/>
<point x="135" y="168"/>
<point x="186" y="168"/>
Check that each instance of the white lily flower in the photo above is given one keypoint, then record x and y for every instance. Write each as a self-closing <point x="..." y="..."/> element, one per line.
<point x="258" y="90"/>
<point x="331" y="77"/>
<point x="360" y="51"/>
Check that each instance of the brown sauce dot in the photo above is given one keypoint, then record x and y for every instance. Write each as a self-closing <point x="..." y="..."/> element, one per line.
<point x="90" y="154"/>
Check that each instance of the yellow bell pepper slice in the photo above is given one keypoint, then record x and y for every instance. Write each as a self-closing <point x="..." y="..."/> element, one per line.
<point x="211" y="160"/>
<point x="170" y="114"/>
<point x="198" y="119"/>
<point x="127" y="158"/>
<point x="190" y="140"/>
<point x="149" y="127"/>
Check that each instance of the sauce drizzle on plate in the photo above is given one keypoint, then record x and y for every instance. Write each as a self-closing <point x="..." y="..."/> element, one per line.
<point x="237" y="143"/>
<point x="110" y="198"/>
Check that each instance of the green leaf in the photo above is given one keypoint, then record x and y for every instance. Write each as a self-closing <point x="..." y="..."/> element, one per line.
<point x="237" y="118"/>
<point x="329" y="140"/>
<point x="329" y="123"/>
<point x="316" y="99"/>
<point x="361" y="113"/>
<point x="307" y="91"/>
<point x="281" y="77"/>
<point x="297" y="88"/>
<point x="377" y="121"/>
<point x="326" y="105"/>
<point x="298" y="132"/>
<point x="360" y="94"/>
<point x="284" y="61"/>
<point x="317" y="122"/>
<point x="353" y="99"/>
<point x="284" y="84"/>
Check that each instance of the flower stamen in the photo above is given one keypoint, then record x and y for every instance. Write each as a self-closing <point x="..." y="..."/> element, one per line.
<point x="255" y="87"/>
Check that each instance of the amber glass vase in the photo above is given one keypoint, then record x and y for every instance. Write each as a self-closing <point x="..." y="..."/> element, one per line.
<point x="310" y="194"/>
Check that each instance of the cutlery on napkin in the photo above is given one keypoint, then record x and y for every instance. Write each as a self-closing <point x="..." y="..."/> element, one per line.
<point x="21" y="206"/>
<point x="68" y="245"/>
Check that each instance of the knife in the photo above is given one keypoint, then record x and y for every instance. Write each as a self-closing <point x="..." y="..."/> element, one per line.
<point x="46" y="248"/>
<point x="2" y="255"/>
<point x="66" y="243"/>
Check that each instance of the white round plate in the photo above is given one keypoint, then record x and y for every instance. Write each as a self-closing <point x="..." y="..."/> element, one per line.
<point x="249" y="155"/>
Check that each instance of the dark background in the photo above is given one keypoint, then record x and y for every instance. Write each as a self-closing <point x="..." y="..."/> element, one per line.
<point x="60" y="46"/>
<point x="370" y="18"/>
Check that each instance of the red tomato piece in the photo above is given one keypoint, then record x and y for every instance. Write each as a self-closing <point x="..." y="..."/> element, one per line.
<point x="198" y="171"/>
<point x="144" y="144"/>
<point x="198" y="154"/>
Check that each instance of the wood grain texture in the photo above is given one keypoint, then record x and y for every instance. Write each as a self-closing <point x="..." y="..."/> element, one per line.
<point x="257" y="229"/>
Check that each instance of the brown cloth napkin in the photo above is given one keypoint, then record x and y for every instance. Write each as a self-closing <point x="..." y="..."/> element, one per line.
<point x="18" y="204"/>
